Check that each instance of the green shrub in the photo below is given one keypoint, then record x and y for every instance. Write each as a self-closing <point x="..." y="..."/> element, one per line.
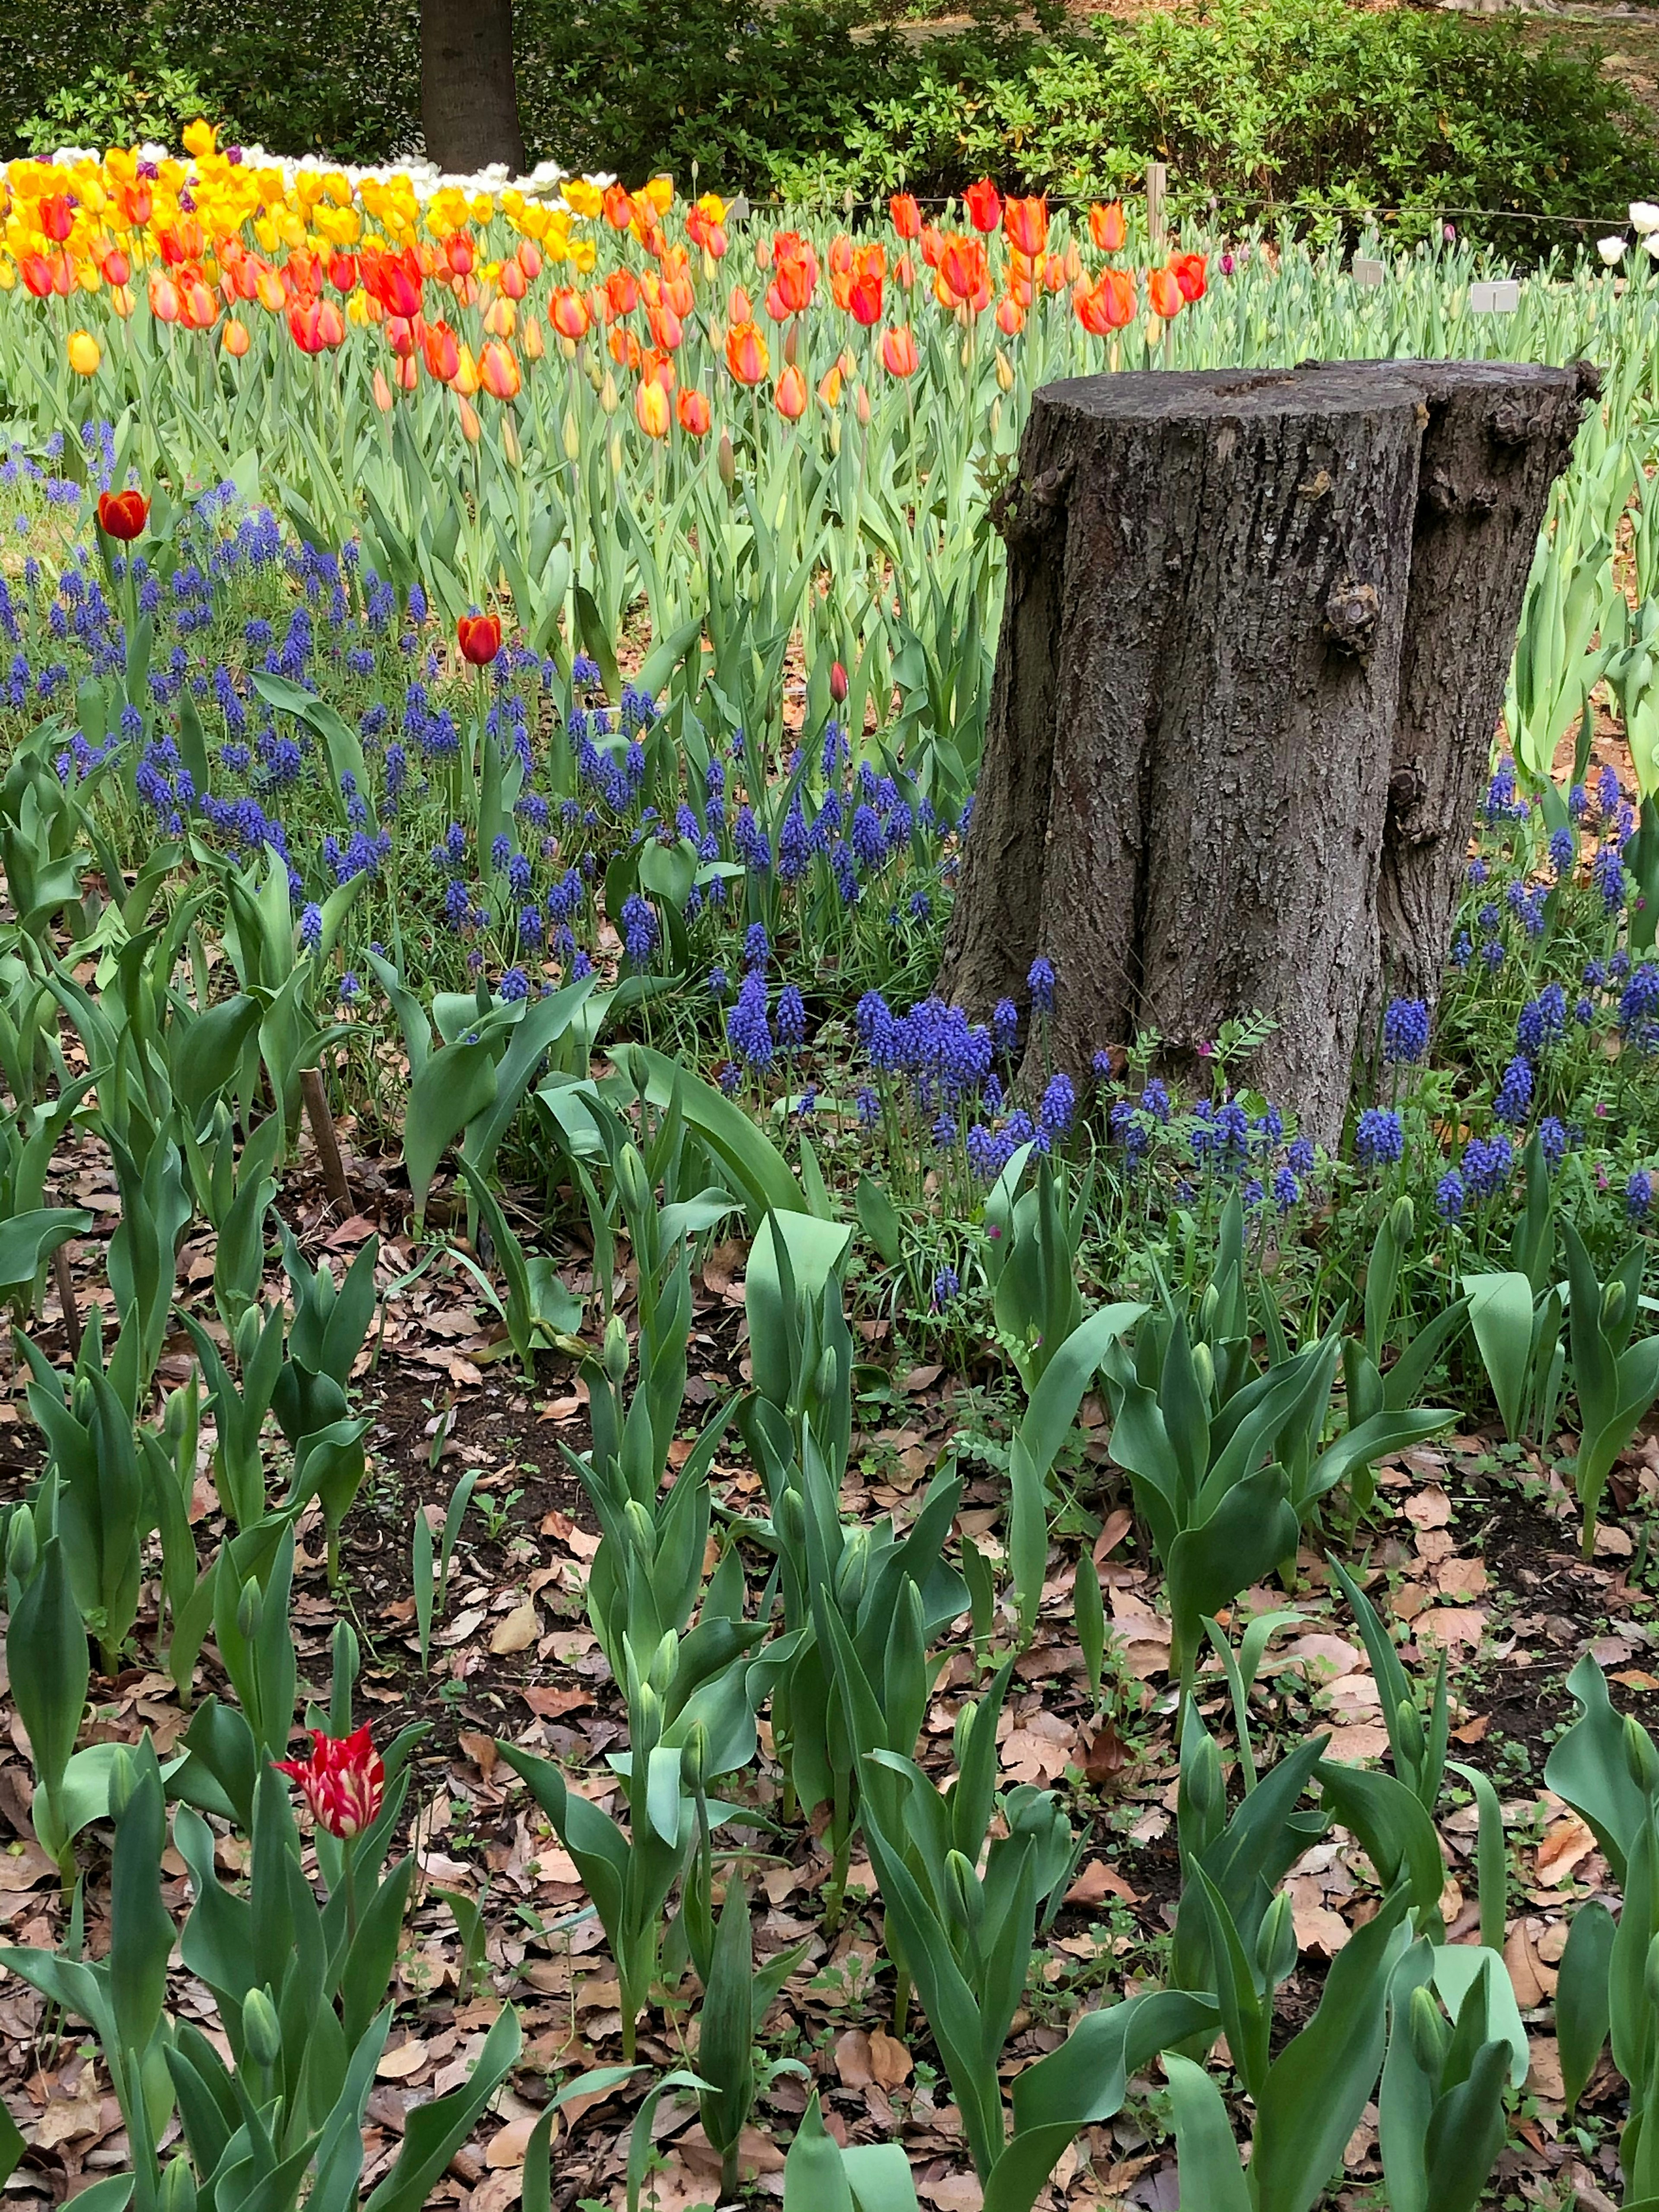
<point x="1263" y="108"/>
<point x="151" y="102"/>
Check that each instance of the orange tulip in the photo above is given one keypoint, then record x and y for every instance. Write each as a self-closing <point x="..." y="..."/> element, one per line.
<point x="269" y="287"/>
<point x="235" y="340"/>
<point x="534" y="345"/>
<point x="442" y="352"/>
<point x="56" y="217"/>
<point x="618" y="208"/>
<point x="498" y="370"/>
<point x="37" y="275"/>
<point x="652" y="410"/>
<point x="136" y="204"/>
<point x="457" y="251"/>
<point x="906" y="213"/>
<point x="529" y="258"/>
<point x="395" y="280"/>
<point x="342" y="273"/>
<point x="1189" y="271"/>
<point x="164" y="298"/>
<point x="1026" y="222"/>
<point x="737" y="305"/>
<point x="1107" y="304"/>
<point x="984" y="205"/>
<point x="382" y="390"/>
<point x="790" y="394"/>
<point x="567" y="314"/>
<point x="963" y="273"/>
<point x="1011" y="317"/>
<point x="746" y="355"/>
<point x="622" y="294"/>
<point x="512" y="281"/>
<point x="797" y="279"/>
<point x="692" y="409"/>
<point x="199" y="310"/>
<point x="1106" y="225"/>
<point x="1164" y="294"/>
<point x="898" y="351"/>
<point x="115" y="266"/>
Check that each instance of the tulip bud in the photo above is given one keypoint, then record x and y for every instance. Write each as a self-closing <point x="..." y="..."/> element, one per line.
<point x="510" y="446"/>
<point x="608" y="395"/>
<point x="824" y="1380"/>
<point x="1430" y="2038"/>
<point x="633" y="1181"/>
<point x="178" y="2189"/>
<point x="1613" y="1308"/>
<point x="472" y="429"/>
<point x="839" y="686"/>
<point x="573" y="436"/>
<point x="1408" y="1734"/>
<point x="996" y="417"/>
<point x="1275" y="1941"/>
<point x="247" y="1611"/>
<point x="789" y="1519"/>
<point x="727" y="461"/>
<point x="262" y="2031"/>
<point x="1208" y="1306"/>
<point x="792" y="345"/>
<point x="835" y="433"/>
<point x="22" y="1546"/>
<point x="861" y="406"/>
<point x="122" y="1780"/>
<point x="964" y="1895"/>
<point x="1201" y="1799"/>
<point x="1004" y="372"/>
<point x="1204" y="1371"/>
<point x="647" y="1718"/>
<point x="615" y="453"/>
<point x="641" y="1529"/>
<point x="616" y="1350"/>
<point x="694" y="1759"/>
<point x="1402" y="1216"/>
<point x="665" y="1660"/>
<point x="1641" y="1758"/>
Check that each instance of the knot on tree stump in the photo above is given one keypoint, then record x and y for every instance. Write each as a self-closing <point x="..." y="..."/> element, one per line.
<point x="1029" y="509"/>
<point x="1351" y="616"/>
<point x="1244" y="698"/>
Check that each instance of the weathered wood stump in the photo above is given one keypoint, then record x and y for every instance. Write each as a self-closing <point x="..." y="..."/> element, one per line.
<point x="1252" y="652"/>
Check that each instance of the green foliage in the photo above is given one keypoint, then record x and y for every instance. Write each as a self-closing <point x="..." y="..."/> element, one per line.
<point x="1304" y="106"/>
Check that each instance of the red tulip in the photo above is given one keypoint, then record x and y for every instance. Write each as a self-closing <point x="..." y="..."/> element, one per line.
<point x="692" y="409"/>
<point x="1188" y="269"/>
<point x="395" y="280"/>
<point x="479" y="637"/>
<point x="984" y="205"/>
<point x="342" y="1782"/>
<point x="906" y="212"/>
<point x="115" y="266"/>
<point x="839" y="686"/>
<point x="618" y="208"/>
<point x="123" y="514"/>
<point x="457" y="251"/>
<point x="792" y="394"/>
<point x="1106" y="225"/>
<point x="37" y="275"/>
<point x="568" y="314"/>
<point x="898" y="352"/>
<point x="343" y="272"/>
<point x="56" y="217"/>
<point x="136" y="205"/>
<point x="1026" y="222"/>
<point x="746" y="355"/>
<point x="962" y="271"/>
<point x="864" y="300"/>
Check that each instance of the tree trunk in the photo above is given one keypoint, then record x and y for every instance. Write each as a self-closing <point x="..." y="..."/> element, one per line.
<point x="1497" y="437"/>
<point x="1202" y="666"/>
<point x="469" y="96"/>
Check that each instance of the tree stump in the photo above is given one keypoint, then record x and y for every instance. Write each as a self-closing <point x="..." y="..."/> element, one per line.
<point x="1256" y="631"/>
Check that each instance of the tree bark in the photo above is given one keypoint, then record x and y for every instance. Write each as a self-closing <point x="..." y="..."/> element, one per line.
<point x="1202" y="668"/>
<point x="1497" y="438"/>
<point x="469" y="96"/>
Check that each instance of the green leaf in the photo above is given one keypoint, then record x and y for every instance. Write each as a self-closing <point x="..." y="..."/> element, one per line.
<point x="1583" y="2001"/>
<point x="455" y="1085"/>
<point x="29" y="1240"/>
<point x="1590" y="1769"/>
<point x="814" y="2179"/>
<point x="1211" y="2178"/>
<point x="436" y="2131"/>
<point x="757" y="1171"/>
<point x="878" y="1218"/>
<point x="1500" y="1313"/>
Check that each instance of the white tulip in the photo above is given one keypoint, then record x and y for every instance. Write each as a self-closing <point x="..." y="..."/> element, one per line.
<point x="1644" y="216"/>
<point x="1612" y="250"/>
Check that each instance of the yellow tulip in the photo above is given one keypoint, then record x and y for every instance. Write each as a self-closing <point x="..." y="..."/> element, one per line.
<point x="84" y="353"/>
<point x="199" y="138"/>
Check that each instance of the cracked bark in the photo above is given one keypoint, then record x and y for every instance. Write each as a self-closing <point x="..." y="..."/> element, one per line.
<point x="1218" y="651"/>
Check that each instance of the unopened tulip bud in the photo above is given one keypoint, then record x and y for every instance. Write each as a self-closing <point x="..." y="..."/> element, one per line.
<point x="608" y="395"/>
<point x="996" y="418"/>
<point x="861" y="406"/>
<point x="1408" y="1734"/>
<point x="1430" y="2039"/>
<point x="963" y="1889"/>
<point x="839" y="686"/>
<point x="572" y="436"/>
<point x="647" y="1718"/>
<point x="121" y="1779"/>
<point x="1275" y="1940"/>
<point x="178" y="2189"/>
<point x="633" y="1181"/>
<point x="789" y="1519"/>
<point x="615" y="453"/>
<point x="664" y="1662"/>
<point x="792" y="345"/>
<point x="835" y="433"/>
<point x="472" y="428"/>
<point x="1204" y="1371"/>
<point x="383" y="399"/>
<point x="248" y="1609"/>
<point x="23" y="1545"/>
<point x="694" y="1759"/>
<point x="1641" y="1758"/>
<point x="1402" y="1217"/>
<point x="262" y="2031"/>
<point x="641" y="1529"/>
<point x="1004" y="372"/>
<point x="510" y="446"/>
<point x="615" y="1349"/>
<point x="727" y="461"/>
<point x="823" y="1381"/>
